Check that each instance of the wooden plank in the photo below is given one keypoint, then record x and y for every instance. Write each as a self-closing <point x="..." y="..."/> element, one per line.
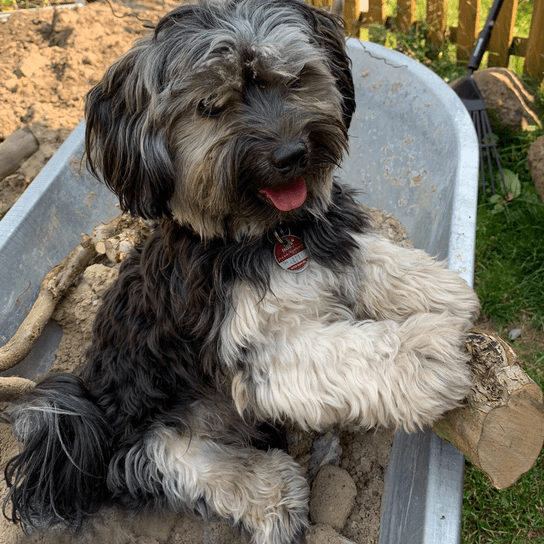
<point x="469" y="22"/>
<point x="437" y="18"/>
<point x="534" y="59"/>
<point x="406" y="14"/>
<point x="519" y="46"/>
<point x="503" y="34"/>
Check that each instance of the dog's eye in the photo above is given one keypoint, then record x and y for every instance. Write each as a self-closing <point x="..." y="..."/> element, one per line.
<point x="209" y="110"/>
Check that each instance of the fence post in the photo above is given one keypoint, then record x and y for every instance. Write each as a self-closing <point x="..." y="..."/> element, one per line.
<point x="469" y="21"/>
<point x="351" y="14"/>
<point x="376" y="12"/>
<point x="437" y="19"/>
<point x="503" y="34"/>
<point x="406" y="14"/>
<point x="534" y="57"/>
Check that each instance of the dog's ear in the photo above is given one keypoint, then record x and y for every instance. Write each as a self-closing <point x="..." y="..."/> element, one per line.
<point x="125" y="146"/>
<point x="330" y="35"/>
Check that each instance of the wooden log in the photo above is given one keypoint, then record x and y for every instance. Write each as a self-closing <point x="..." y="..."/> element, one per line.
<point x="15" y="150"/>
<point x="501" y="427"/>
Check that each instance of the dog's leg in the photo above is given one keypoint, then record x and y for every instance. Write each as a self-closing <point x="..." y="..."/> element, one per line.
<point x="393" y="354"/>
<point x="262" y="491"/>
<point x="374" y="372"/>
<point x="398" y="282"/>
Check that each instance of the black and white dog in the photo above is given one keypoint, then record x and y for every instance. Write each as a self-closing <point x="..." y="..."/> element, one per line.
<point x="262" y="293"/>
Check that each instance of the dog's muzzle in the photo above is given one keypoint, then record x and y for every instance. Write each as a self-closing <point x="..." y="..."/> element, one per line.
<point x="289" y="159"/>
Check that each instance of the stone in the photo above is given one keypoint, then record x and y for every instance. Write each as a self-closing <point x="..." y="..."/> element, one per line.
<point x="326" y="450"/>
<point x="535" y="161"/>
<point x="332" y="497"/>
<point x="514" y="333"/>
<point x="324" y="534"/>
<point x="33" y="64"/>
<point x="508" y="102"/>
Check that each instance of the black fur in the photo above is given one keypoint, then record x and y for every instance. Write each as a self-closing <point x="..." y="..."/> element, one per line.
<point x="60" y="475"/>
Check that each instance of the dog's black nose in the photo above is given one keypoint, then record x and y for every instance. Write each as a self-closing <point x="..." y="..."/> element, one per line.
<point x="290" y="158"/>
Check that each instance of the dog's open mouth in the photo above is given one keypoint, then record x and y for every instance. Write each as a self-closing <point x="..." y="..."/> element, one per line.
<point x="287" y="197"/>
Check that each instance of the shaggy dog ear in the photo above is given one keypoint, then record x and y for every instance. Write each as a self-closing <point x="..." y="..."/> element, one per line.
<point x="329" y="33"/>
<point x="125" y="145"/>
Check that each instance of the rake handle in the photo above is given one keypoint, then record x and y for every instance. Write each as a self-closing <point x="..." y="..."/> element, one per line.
<point x="484" y="37"/>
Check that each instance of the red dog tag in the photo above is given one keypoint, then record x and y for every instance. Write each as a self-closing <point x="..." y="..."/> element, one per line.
<point x="291" y="255"/>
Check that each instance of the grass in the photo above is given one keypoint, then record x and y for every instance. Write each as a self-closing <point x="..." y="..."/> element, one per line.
<point x="509" y="279"/>
<point x="510" y="242"/>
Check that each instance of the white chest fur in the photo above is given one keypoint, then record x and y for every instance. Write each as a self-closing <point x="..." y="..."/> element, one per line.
<point x="293" y="303"/>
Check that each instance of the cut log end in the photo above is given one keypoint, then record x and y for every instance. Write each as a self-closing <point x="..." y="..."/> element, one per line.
<point x="512" y="437"/>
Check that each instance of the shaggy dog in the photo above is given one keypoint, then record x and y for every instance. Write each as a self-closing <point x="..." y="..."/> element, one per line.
<point x="261" y="295"/>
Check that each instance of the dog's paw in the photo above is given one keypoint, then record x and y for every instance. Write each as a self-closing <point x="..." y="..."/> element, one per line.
<point x="434" y="362"/>
<point x="278" y="513"/>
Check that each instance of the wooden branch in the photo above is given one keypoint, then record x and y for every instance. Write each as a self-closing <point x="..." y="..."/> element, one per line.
<point x="52" y="289"/>
<point x="101" y="233"/>
<point x="15" y="150"/>
<point x="117" y="242"/>
<point x="14" y="387"/>
<point x="501" y="428"/>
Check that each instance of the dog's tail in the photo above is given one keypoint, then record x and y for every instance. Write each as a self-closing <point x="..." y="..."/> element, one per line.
<point x="60" y="474"/>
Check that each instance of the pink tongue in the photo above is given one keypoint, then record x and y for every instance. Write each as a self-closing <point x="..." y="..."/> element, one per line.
<point x="287" y="197"/>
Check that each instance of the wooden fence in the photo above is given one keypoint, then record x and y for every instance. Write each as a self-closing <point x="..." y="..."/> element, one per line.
<point x="362" y="13"/>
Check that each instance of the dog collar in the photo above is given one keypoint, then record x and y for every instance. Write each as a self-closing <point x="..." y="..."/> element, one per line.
<point x="291" y="253"/>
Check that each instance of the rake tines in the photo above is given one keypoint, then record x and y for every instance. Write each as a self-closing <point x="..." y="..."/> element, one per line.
<point x="488" y="148"/>
<point x="472" y="98"/>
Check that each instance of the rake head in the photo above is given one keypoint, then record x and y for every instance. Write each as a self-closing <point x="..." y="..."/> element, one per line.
<point x="472" y="98"/>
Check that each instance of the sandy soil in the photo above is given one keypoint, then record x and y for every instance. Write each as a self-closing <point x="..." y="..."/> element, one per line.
<point x="48" y="61"/>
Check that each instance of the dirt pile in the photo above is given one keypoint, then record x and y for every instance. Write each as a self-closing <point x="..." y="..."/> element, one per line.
<point x="49" y="60"/>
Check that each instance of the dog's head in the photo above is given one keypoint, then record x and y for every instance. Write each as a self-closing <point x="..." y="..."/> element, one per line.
<point x="230" y="118"/>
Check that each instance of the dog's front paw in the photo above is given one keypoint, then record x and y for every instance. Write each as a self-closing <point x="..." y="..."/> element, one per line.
<point x="435" y="364"/>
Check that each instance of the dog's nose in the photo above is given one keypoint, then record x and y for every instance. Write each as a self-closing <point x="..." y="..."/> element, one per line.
<point x="290" y="158"/>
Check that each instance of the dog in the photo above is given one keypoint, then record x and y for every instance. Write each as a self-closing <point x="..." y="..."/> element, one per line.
<point x="262" y="294"/>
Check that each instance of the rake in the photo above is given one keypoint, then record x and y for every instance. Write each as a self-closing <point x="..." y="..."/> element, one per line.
<point x="467" y="90"/>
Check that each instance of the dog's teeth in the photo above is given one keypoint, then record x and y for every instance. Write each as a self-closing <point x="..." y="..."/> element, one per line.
<point x="287" y="197"/>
